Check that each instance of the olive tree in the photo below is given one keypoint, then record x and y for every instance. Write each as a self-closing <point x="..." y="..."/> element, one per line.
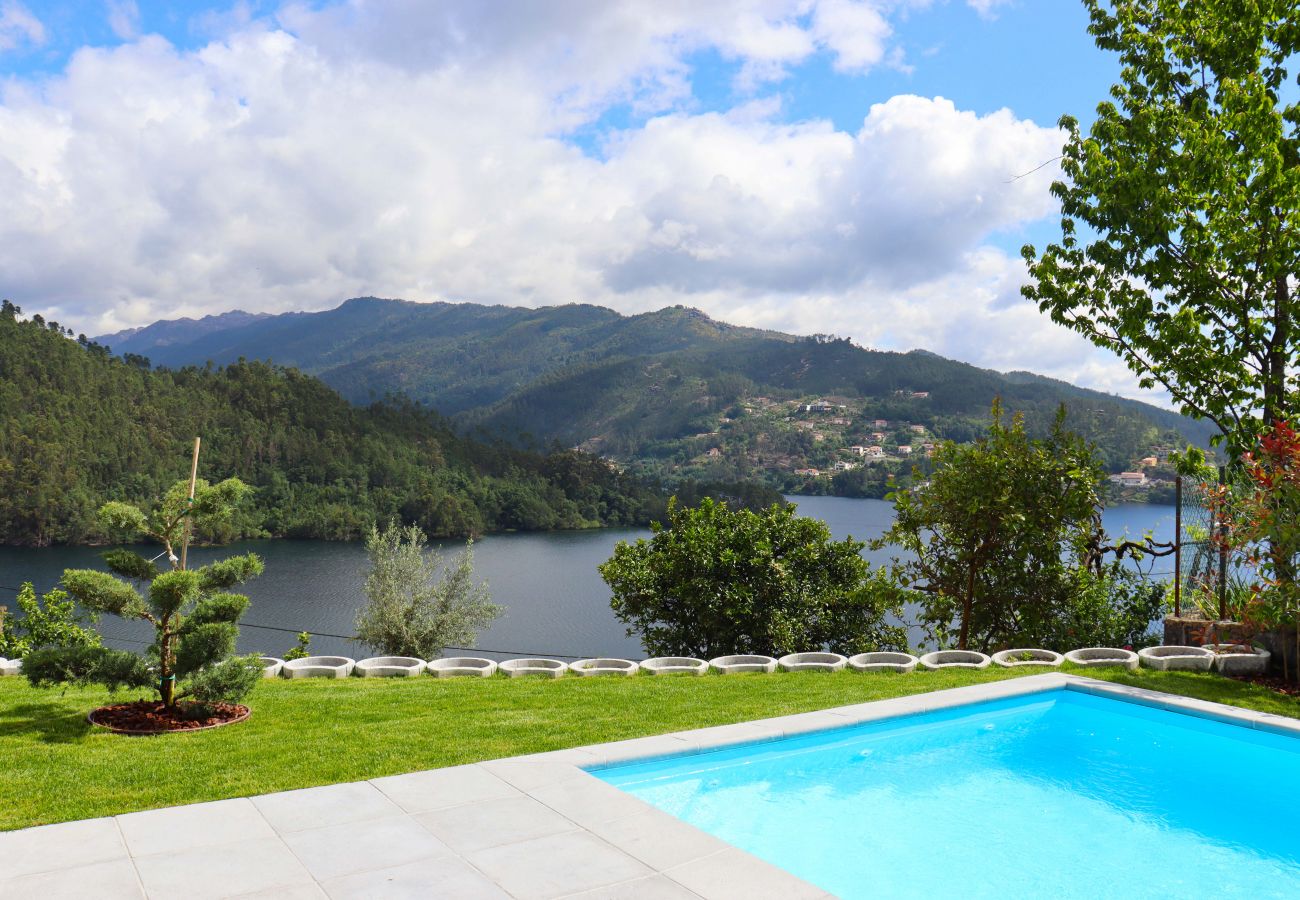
<point x="410" y="609"/>
<point x="1181" y="209"/>
<point x="717" y="581"/>
<point x="193" y="615"/>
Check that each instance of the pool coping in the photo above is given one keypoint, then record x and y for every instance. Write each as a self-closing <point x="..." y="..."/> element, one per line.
<point x="539" y="826"/>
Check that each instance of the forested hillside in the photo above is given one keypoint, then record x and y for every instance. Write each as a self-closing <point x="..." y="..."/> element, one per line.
<point x="670" y="394"/>
<point x="79" y="427"/>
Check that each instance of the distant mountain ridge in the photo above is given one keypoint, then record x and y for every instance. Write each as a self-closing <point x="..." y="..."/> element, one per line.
<point x="649" y="389"/>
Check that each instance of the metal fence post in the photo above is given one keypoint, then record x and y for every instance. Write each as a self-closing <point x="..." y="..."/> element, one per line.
<point x="1178" y="547"/>
<point x="1223" y="551"/>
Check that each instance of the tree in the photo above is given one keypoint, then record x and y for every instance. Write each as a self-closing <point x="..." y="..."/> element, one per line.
<point x="1181" y="209"/>
<point x="194" y="618"/>
<point x="409" y="610"/>
<point x="990" y="536"/>
<point x="718" y="581"/>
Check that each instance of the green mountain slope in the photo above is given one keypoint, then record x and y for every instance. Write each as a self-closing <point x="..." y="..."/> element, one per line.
<point x="670" y="393"/>
<point x="79" y="427"/>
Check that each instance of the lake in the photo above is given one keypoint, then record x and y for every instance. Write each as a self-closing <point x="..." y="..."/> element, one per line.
<point x="554" y="599"/>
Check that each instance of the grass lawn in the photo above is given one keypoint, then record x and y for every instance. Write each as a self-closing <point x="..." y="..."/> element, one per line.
<point x="55" y="767"/>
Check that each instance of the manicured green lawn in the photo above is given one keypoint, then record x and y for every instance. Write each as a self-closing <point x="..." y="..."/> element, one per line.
<point x="54" y="767"/>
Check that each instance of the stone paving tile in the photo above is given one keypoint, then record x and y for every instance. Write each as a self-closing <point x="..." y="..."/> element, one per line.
<point x="589" y="801"/>
<point x="557" y="865"/>
<point x="223" y="870"/>
<point x="527" y="773"/>
<point x="736" y="875"/>
<point x="312" y="891"/>
<point x="477" y="826"/>
<point x="656" y="887"/>
<point x="443" y="877"/>
<point x="318" y="807"/>
<point x="197" y="825"/>
<point x="115" y="880"/>
<point x="440" y="788"/>
<point x="358" y="846"/>
<point x="659" y="840"/>
<point x="50" y="847"/>
<point x="643" y="748"/>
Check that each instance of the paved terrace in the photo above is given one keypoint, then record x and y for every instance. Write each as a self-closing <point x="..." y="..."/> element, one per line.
<point x="529" y="827"/>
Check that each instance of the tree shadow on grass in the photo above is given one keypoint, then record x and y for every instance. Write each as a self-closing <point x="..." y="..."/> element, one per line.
<point x="49" y="722"/>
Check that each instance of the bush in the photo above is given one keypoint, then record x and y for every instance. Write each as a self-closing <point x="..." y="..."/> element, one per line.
<point x="409" y="610"/>
<point x="51" y="620"/>
<point x="1115" y="609"/>
<point x="717" y="581"/>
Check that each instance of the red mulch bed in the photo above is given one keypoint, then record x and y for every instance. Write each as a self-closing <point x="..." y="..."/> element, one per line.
<point x="151" y="717"/>
<point x="1273" y="683"/>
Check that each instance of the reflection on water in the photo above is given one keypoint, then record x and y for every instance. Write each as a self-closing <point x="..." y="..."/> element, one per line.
<point x="555" y="601"/>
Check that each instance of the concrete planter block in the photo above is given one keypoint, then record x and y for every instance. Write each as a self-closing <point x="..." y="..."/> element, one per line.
<point x="731" y="665"/>
<point x="552" y="668"/>
<point x="318" y="667"/>
<point x="883" y="661"/>
<point x="604" y="666"/>
<point x="11" y="667"/>
<point x="955" y="659"/>
<point x="673" y="665"/>
<point x="1030" y="656"/>
<point x="812" y="662"/>
<point x="1177" y="659"/>
<point x="271" y="666"/>
<point x="389" y="667"/>
<point x="1103" y="656"/>
<point x="1239" y="659"/>
<point x="461" y="666"/>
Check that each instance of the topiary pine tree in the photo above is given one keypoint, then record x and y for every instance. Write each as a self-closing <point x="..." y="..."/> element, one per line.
<point x="194" y="617"/>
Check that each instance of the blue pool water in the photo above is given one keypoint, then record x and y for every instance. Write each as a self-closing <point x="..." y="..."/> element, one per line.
<point x="1060" y="793"/>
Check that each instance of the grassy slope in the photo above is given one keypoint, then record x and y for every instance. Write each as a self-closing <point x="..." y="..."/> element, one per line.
<point x="305" y="733"/>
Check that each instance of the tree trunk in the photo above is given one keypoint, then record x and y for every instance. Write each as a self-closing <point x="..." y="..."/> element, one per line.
<point x="166" y="678"/>
<point x="967" y="602"/>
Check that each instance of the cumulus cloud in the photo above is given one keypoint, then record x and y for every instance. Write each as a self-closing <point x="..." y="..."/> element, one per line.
<point x="376" y="148"/>
<point x="18" y="26"/>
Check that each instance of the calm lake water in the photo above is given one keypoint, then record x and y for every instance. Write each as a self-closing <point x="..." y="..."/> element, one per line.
<point x="554" y="599"/>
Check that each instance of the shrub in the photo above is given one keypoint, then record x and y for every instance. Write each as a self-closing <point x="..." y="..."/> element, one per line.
<point x="717" y="581"/>
<point x="409" y="610"/>
<point x="51" y="620"/>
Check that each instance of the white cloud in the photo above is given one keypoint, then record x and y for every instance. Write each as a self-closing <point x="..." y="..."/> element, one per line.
<point x="18" y="26"/>
<point x="124" y="18"/>
<point x="987" y="8"/>
<point x="378" y="148"/>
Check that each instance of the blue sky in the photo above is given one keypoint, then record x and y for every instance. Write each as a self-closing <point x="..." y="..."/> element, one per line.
<point x="837" y="166"/>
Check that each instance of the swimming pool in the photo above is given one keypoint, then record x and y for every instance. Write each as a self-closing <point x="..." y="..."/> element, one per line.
<point x="1059" y="792"/>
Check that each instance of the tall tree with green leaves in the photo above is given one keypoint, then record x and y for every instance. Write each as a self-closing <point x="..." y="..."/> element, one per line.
<point x="1181" y="209"/>
<point x="991" y="537"/>
<point x="194" y="617"/>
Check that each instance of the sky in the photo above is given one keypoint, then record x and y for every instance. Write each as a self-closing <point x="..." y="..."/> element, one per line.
<point x="863" y="168"/>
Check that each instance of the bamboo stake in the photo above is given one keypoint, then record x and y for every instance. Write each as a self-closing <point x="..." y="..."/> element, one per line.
<point x="189" y="504"/>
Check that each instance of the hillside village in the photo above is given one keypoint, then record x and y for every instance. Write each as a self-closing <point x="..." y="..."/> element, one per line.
<point x="847" y="447"/>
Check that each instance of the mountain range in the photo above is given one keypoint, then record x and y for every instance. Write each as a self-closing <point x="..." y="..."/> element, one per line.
<point x="671" y="392"/>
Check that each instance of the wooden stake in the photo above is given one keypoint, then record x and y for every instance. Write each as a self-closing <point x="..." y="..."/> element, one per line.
<point x="194" y="476"/>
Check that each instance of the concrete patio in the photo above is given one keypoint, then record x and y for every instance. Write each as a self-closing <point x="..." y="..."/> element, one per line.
<point x="529" y="827"/>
